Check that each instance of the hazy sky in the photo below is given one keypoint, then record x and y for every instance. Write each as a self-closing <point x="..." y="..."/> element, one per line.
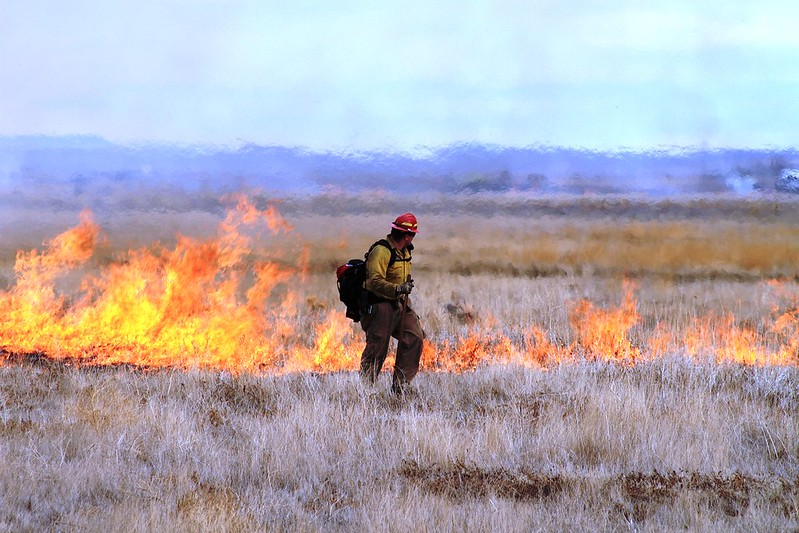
<point x="398" y="74"/>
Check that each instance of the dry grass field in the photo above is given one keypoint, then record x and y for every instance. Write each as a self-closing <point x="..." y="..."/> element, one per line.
<point x="666" y="445"/>
<point x="592" y="364"/>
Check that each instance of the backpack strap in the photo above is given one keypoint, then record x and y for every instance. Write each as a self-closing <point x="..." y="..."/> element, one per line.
<point x="384" y="242"/>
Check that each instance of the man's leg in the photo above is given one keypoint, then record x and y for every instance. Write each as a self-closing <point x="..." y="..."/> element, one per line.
<point x="409" y="351"/>
<point x="377" y="324"/>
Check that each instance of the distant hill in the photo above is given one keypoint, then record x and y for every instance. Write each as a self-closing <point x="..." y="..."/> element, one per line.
<point x="77" y="165"/>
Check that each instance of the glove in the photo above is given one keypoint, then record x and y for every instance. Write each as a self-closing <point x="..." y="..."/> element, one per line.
<point x="405" y="288"/>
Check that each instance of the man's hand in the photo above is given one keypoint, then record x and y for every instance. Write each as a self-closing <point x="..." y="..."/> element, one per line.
<point x="405" y="288"/>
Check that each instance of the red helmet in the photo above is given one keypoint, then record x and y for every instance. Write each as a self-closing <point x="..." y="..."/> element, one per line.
<point x="406" y="222"/>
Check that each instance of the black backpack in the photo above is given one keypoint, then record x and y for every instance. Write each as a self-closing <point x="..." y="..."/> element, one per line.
<point x="350" y="277"/>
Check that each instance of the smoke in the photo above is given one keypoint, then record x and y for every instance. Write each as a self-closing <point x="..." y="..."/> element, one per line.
<point x="741" y="185"/>
<point x="88" y="172"/>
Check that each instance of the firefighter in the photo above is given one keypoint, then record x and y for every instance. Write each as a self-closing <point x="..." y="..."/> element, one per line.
<point x="387" y="311"/>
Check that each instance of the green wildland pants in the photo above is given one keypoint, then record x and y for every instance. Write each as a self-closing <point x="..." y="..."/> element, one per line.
<point x="381" y="322"/>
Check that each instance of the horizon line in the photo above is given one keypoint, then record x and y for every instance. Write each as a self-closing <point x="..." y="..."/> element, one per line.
<point x="241" y="145"/>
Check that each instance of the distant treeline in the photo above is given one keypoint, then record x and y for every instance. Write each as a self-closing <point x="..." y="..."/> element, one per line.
<point x="79" y="165"/>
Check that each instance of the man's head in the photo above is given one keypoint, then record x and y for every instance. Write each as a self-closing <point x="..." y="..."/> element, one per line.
<point x="403" y="229"/>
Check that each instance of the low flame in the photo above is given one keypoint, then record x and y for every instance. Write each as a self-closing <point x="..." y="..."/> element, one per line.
<point x="605" y="335"/>
<point x="211" y="304"/>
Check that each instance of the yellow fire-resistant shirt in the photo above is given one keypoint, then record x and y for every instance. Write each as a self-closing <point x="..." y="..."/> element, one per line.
<point x="381" y="279"/>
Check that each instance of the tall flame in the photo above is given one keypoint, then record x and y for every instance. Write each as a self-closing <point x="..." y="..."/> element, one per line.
<point x="181" y="307"/>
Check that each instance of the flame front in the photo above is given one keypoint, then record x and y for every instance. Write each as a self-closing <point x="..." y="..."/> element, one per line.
<point x="182" y="307"/>
<point x="210" y="304"/>
<point x="605" y="335"/>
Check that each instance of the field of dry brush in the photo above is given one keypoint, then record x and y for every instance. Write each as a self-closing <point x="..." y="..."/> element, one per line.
<point x="593" y="364"/>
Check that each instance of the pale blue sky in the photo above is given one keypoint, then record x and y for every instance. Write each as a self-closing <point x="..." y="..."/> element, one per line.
<point x="400" y="74"/>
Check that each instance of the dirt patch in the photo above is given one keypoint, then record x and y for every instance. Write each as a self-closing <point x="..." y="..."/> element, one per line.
<point x="641" y="494"/>
<point x="730" y="494"/>
<point x="459" y="481"/>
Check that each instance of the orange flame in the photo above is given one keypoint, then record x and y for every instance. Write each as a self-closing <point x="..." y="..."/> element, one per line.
<point x="603" y="334"/>
<point x="212" y="304"/>
<point x="180" y="307"/>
